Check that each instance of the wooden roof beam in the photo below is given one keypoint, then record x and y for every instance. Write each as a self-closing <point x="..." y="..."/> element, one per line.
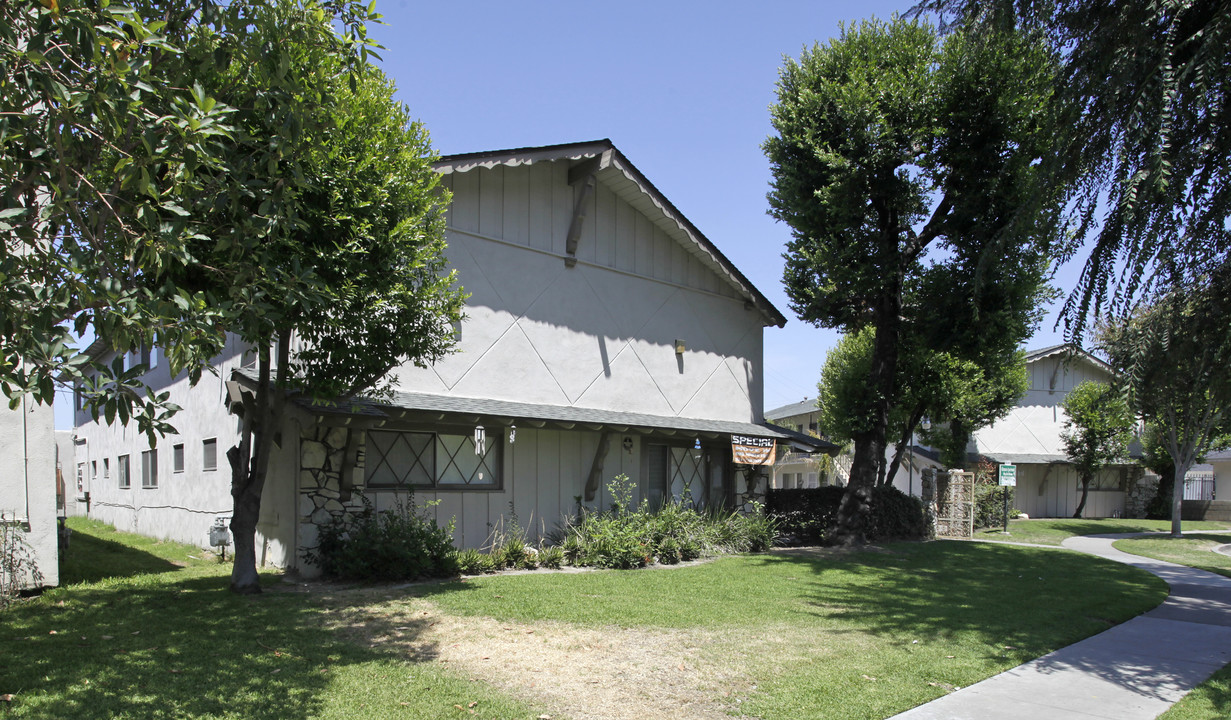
<point x="585" y="174"/>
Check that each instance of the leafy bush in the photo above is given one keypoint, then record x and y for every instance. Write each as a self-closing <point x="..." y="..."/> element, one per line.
<point x="473" y="562"/>
<point x="401" y="544"/>
<point x="551" y="557"/>
<point x="631" y="536"/>
<point x="669" y="551"/>
<point x="989" y="505"/>
<point x="805" y="516"/>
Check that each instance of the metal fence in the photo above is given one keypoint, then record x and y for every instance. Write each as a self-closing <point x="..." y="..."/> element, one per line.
<point x="1199" y="486"/>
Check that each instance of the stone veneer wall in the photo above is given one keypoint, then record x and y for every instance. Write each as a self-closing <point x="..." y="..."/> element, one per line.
<point x="1140" y="488"/>
<point x="327" y="490"/>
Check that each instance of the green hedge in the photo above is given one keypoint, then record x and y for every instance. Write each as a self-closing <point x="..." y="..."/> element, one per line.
<point x="806" y="516"/>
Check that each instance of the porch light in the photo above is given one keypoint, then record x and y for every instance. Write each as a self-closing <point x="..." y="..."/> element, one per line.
<point x="480" y="440"/>
<point x="512" y="433"/>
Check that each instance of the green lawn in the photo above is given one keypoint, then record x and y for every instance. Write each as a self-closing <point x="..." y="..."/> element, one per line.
<point x="847" y="635"/>
<point x="860" y="636"/>
<point x="1053" y="531"/>
<point x="142" y="630"/>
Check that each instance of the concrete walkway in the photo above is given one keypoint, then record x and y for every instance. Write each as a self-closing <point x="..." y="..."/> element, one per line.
<point x="1134" y="671"/>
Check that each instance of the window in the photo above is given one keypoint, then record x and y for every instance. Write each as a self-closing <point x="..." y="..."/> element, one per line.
<point x="430" y="460"/>
<point x="209" y="454"/>
<point x="80" y="477"/>
<point x="93" y="470"/>
<point x="1107" y="480"/>
<point x="149" y="469"/>
<point x="675" y="472"/>
<point x="121" y="472"/>
<point x="152" y="357"/>
<point x="106" y="468"/>
<point x="177" y="458"/>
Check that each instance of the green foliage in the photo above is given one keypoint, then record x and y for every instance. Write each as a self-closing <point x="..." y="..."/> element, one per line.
<point x="551" y="557"/>
<point x="844" y="397"/>
<point x="474" y="562"/>
<point x="890" y="142"/>
<point x="401" y="544"/>
<point x="808" y="516"/>
<point x="1096" y="432"/>
<point x="1144" y="137"/>
<point x="989" y="505"/>
<point x="1174" y="355"/>
<point x="633" y="536"/>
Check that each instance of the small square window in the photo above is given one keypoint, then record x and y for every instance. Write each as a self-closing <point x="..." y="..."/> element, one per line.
<point x="209" y="454"/>
<point x="121" y="472"/>
<point x="149" y="469"/>
<point x="177" y="458"/>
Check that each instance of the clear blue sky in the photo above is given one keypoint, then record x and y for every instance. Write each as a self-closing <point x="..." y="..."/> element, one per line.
<point x="682" y="88"/>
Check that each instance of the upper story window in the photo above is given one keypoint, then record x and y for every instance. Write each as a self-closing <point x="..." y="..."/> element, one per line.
<point x="121" y="472"/>
<point x="209" y="454"/>
<point x="149" y="469"/>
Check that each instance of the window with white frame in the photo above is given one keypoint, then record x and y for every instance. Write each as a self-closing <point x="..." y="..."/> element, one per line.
<point x="121" y="472"/>
<point x="209" y="454"/>
<point x="430" y="460"/>
<point x="177" y="458"/>
<point x="149" y="469"/>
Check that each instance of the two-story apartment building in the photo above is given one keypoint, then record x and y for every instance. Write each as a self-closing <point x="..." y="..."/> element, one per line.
<point x="604" y="335"/>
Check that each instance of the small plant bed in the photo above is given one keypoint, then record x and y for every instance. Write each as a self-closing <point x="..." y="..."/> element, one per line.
<point x="1194" y="551"/>
<point x="1054" y="531"/>
<point x="633" y="536"/>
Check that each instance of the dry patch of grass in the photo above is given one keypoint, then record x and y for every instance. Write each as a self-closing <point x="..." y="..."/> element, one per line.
<point x="584" y="673"/>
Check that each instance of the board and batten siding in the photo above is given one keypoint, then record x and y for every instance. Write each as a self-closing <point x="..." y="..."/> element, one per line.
<point x="543" y="474"/>
<point x="1054" y="491"/>
<point x="600" y="334"/>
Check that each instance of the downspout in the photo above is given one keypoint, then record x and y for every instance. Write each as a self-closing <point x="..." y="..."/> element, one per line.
<point x="25" y="454"/>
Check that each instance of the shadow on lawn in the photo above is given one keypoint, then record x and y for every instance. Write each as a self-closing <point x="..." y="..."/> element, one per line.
<point x="188" y="649"/>
<point x="941" y="590"/>
<point x="90" y="558"/>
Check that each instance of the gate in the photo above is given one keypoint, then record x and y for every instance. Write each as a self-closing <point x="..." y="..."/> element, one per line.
<point x="950" y="497"/>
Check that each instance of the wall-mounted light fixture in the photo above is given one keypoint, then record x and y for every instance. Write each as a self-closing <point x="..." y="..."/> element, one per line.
<point x="628" y="445"/>
<point x="512" y="433"/>
<point x="679" y="347"/>
<point x="480" y="440"/>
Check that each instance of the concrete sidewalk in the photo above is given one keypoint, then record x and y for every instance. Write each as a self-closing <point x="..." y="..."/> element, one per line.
<point x="1133" y="671"/>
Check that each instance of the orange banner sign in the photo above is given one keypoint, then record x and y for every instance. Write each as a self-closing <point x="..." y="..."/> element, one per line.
<point x="748" y="450"/>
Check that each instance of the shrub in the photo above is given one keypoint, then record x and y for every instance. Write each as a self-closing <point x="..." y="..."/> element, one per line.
<point x="669" y="551"/>
<point x="401" y="544"/>
<point x="896" y="515"/>
<point x="473" y="562"/>
<point x="551" y="557"/>
<point x="989" y="505"/>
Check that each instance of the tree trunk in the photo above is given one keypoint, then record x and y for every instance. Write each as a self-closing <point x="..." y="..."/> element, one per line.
<point x="850" y="526"/>
<point x="1085" y="492"/>
<point x="250" y="463"/>
<point x="1177" y="500"/>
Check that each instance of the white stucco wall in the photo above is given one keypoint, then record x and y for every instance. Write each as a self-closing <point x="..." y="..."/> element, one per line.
<point x="600" y="334"/>
<point x="28" y="483"/>
<point x="1034" y="425"/>
<point x="184" y="504"/>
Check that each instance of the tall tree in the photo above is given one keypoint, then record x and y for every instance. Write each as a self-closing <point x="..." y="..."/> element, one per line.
<point x="101" y="142"/>
<point x="331" y="263"/>
<point x="1146" y="144"/>
<point x="176" y="172"/>
<point x="1174" y="355"/>
<point x="1096" y="433"/>
<point x="887" y="141"/>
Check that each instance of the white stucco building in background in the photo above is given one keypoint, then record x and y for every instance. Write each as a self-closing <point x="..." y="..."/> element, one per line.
<point x="1029" y="438"/>
<point x="605" y="335"/>
<point x="28" y="488"/>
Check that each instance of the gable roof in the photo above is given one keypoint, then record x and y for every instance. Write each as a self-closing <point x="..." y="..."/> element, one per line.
<point x="626" y="182"/>
<point x="803" y="407"/>
<point x="1071" y="350"/>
